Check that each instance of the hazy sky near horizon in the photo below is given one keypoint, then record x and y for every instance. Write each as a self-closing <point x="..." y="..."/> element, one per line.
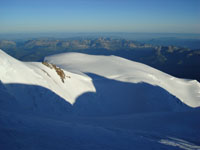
<point x="155" y="16"/>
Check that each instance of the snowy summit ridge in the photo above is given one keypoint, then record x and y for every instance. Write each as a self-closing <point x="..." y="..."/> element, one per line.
<point x="113" y="67"/>
<point x="95" y="102"/>
<point x="98" y="85"/>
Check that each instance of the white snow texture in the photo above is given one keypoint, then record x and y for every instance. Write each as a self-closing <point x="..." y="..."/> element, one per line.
<point x="103" y="102"/>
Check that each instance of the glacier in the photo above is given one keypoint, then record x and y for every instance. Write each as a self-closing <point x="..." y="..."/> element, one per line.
<point x="105" y="102"/>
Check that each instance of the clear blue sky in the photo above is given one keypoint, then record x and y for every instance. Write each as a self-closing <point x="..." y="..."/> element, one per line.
<point x="160" y="16"/>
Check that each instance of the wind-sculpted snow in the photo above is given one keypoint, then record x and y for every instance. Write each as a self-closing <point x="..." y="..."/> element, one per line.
<point x="113" y="97"/>
<point x="112" y="67"/>
<point x="107" y="103"/>
<point x="110" y="93"/>
<point x="105" y="84"/>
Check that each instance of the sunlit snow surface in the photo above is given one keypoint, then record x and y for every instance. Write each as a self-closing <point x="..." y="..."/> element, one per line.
<point x="105" y="102"/>
<point x="117" y="68"/>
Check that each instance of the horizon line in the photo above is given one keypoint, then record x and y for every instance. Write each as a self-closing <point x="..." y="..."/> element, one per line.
<point x="96" y="32"/>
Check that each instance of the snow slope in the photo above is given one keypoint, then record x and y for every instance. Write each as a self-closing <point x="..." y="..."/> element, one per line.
<point x="179" y="131"/>
<point x="32" y="82"/>
<point x="112" y="67"/>
<point x="105" y="102"/>
<point x="95" y="85"/>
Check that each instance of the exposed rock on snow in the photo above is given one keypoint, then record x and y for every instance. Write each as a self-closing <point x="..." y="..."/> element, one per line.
<point x="100" y="85"/>
<point x="58" y="70"/>
<point x="119" y="69"/>
<point x="106" y="103"/>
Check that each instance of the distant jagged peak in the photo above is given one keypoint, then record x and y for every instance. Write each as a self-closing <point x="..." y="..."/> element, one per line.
<point x="7" y="42"/>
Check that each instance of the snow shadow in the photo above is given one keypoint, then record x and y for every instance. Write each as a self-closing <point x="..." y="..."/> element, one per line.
<point x="114" y="97"/>
<point x="32" y="99"/>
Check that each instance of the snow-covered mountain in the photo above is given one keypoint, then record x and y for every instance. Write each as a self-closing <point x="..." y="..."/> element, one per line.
<point x="86" y="95"/>
<point x="119" y="69"/>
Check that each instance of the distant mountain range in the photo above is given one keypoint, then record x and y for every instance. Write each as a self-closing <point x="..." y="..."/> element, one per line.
<point x="74" y="44"/>
<point x="178" y="61"/>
